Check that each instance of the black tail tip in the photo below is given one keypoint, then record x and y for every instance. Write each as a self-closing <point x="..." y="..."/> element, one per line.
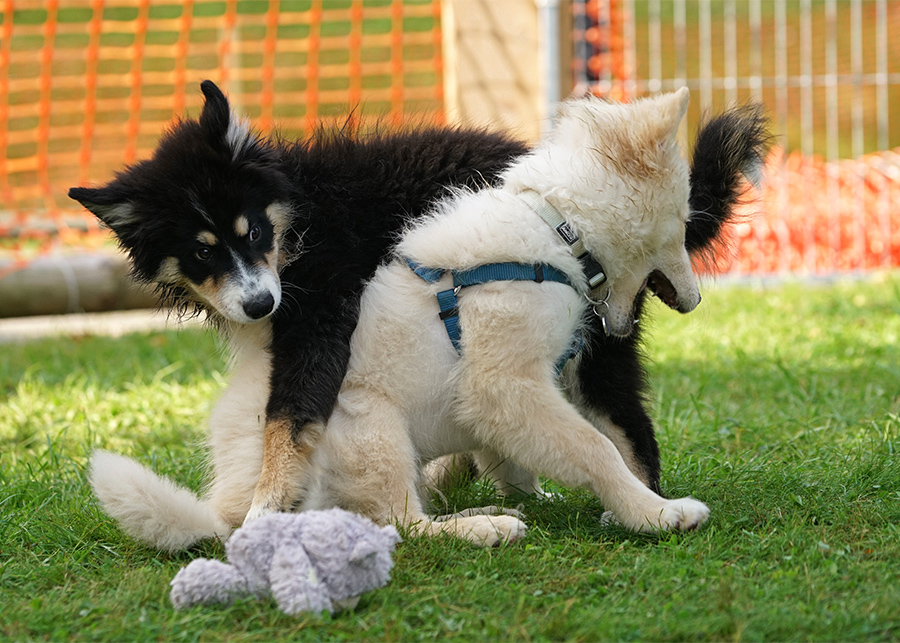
<point x="737" y="140"/>
<point x="730" y="151"/>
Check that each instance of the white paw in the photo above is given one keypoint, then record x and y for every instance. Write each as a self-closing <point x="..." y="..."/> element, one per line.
<point x="683" y="514"/>
<point x="257" y="511"/>
<point x="492" y="510"/>
<point x="491" y="531"/>
<point x="539" y="492"/>
<point x="609" y="518"/>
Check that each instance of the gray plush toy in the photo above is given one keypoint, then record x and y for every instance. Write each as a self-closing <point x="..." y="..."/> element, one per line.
<point x="307" y="562"/>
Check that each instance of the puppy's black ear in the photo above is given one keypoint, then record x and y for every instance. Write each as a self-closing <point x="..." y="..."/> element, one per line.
<point x="111" y="207"/>
<point x="216" y="114"/>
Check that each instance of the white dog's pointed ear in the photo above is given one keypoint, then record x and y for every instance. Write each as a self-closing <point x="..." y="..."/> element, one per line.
<point x="672" y="109"/>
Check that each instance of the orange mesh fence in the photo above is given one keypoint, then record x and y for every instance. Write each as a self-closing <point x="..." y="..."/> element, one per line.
<point x="815" y="216"/>
<point x="87" y="85"/>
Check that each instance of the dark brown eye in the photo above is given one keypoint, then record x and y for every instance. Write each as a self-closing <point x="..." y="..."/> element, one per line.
<point x="254" y="233"/>
<point x="203" y="254"/>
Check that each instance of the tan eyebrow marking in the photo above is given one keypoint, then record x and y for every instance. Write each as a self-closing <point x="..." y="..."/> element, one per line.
<point x="207" y="237"/>
<point x="241" y="226"/>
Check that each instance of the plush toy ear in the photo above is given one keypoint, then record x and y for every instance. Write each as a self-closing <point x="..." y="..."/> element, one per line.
<point x="368" y="548"/>
<point x="390" y="535"/>
<point x="363" y="551"/>
<point x="294" y="583"/>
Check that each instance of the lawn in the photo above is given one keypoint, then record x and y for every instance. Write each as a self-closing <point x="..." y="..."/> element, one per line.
<point x="778" y="405"/>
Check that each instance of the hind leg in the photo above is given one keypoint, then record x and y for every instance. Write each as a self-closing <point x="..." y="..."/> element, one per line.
<point x="367" y="463"/>
<point x="445" y="473"/>
<point x="509" y="478"/>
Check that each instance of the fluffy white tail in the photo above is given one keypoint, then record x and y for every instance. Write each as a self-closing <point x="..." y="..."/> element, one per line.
<point x="151" y="508"/>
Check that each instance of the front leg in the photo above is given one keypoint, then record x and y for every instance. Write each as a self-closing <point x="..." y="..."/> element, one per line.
<point x="309" y="360"/>
<point x="518" y="412"/>
<point x="285" y="463"/>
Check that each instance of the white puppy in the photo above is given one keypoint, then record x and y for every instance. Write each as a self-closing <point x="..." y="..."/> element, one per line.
<point x="615" y="175"/>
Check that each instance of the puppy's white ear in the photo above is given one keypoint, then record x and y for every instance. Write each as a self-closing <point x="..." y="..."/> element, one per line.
<point x="672" y="108"/>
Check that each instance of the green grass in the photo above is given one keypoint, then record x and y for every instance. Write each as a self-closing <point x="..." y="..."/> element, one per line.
<point x="778" y="406"/>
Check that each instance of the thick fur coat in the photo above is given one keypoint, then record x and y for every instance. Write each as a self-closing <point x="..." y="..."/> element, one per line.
<point x="615" y="175"/>
<point x="274" y="240"/>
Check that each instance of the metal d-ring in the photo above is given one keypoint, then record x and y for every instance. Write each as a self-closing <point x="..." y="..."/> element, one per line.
<point x="595" y="306"/>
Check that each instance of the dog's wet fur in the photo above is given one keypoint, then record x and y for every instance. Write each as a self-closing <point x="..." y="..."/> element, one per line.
<point x="274" y="240"/>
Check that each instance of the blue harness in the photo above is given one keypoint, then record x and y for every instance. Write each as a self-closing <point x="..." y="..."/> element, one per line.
<point x="449" y="304"/>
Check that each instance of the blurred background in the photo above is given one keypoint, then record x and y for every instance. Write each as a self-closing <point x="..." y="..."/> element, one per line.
<point x="89" y="85"/>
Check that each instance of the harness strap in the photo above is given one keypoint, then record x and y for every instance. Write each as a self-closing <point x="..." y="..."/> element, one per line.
<point x="449" y="314"/>
<point x="574" y="348"/>
<point x="508" y="272"/>
<point x="449" y="304"/>
<point x="551" y="216"/>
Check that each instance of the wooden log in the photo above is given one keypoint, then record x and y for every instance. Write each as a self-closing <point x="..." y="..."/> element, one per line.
<point x="58" y="284"/>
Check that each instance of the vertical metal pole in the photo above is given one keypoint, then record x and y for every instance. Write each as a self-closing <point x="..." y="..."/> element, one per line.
<point x="630" y="52"/>
<point x="705" y="55"/>
<point x="680" y="44"/>
<point x="881" y="99"/>
<point x="807" y="142"/>
<point x="604" y="23"/>
<point x="654" y="38"/>
<point x="756" y="50"/>
<point x="730" y="53"/>
<point x="881" y="75"/>
<point x="781" y="100"/>
<point x="856" y="63"/>
<point x="548" y="17"/>
<point x="859" y="258"/>
<point x="833" y="215"/>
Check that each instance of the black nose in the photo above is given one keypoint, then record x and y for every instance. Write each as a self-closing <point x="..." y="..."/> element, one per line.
<point x="259" y="306"/>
